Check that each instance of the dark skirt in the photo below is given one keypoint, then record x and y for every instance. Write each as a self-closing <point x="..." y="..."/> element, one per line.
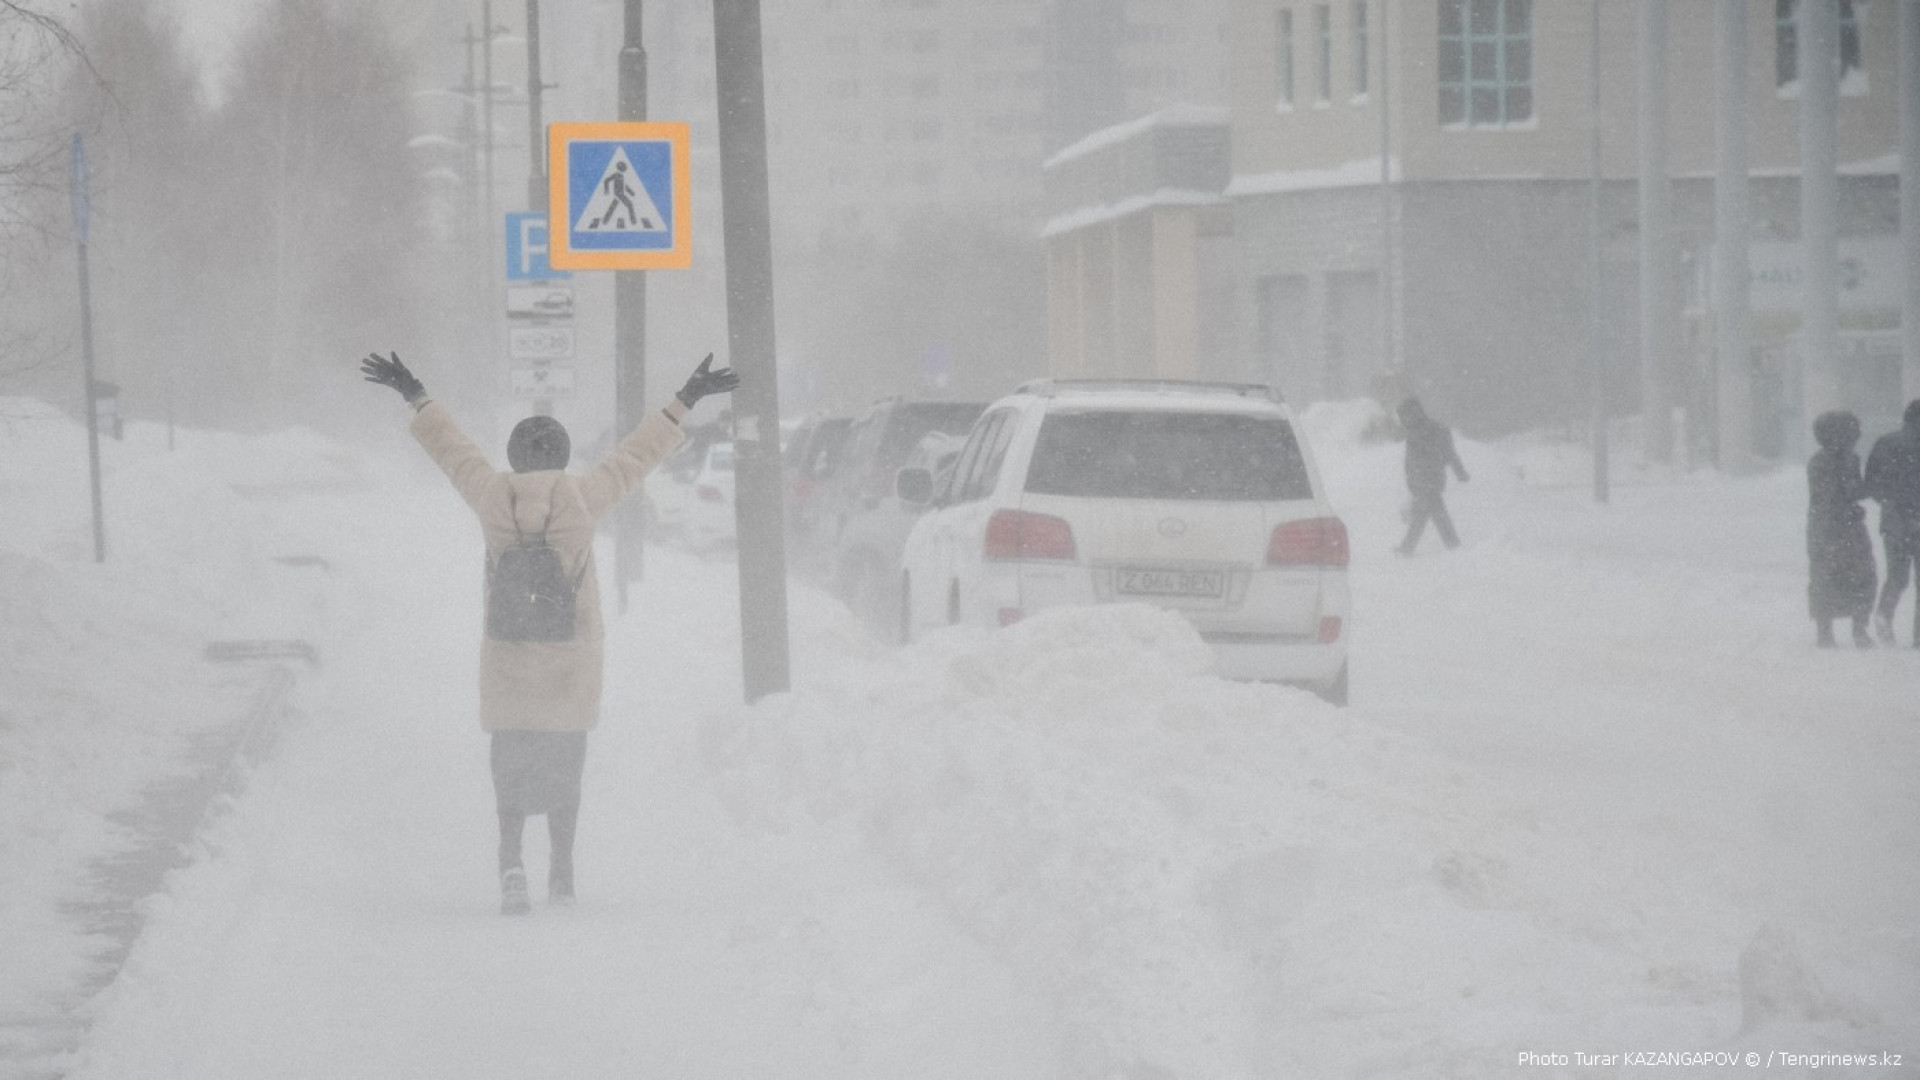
<point x="1842" y="573"/>
<point x="537" y="771"/>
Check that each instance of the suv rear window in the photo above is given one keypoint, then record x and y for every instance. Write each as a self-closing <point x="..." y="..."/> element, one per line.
<point x="1168" y="455"/>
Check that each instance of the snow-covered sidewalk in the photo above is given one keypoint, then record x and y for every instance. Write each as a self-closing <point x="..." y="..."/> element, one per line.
<point x="1597" y="793"/>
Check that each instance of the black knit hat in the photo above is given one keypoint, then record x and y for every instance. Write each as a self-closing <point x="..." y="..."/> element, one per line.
<point x="537" y="443"/>
<point x="1836" y="430"/>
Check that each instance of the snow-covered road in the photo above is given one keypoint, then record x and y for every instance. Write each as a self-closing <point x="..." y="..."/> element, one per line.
<point x="1597" y="793"/>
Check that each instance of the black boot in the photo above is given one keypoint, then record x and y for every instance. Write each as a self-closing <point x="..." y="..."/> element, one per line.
<point x="1825" y="638"/>
<point x="1861" y="638"/>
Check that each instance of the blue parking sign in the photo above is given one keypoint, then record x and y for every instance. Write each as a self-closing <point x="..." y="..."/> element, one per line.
<point x="527" y="249"/>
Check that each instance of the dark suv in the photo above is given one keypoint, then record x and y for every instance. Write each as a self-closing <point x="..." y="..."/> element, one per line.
<point x="861" y="521"/>
<point x="812" y="456"/>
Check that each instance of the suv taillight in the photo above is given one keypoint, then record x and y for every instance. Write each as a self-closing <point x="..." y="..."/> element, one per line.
<point x="1018" y="534"/>
<point x="1313" y="542"/>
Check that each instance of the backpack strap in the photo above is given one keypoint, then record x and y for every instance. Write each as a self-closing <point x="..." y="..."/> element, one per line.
<point x="513" y="514"/>
<point x="580" y="574"/>
<point x="551" y="500"/>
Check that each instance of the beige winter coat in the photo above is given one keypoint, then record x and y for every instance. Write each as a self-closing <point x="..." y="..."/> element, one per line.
<point x="545" y="686"/>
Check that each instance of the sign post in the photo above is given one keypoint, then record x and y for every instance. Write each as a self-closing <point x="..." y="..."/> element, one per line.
<point x="630" y="322"/>
<point x="539" y="315"/>
<point x="756" y="405"/>
<point x="621" y="200"/>
<point x="620" y="197"/>
<point x="81" y="209"/>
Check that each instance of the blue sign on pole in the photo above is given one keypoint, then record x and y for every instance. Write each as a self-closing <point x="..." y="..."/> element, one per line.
<point x="527" y="250"/>
<point x="620" y="196"/>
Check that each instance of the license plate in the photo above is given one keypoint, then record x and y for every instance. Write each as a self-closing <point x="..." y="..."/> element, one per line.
<point x="1136" y="581"/>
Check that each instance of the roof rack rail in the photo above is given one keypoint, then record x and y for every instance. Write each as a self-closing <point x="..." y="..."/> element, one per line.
<point x="1049" y="387"/>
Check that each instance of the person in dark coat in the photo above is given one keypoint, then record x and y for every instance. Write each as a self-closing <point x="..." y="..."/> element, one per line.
<point x="1893" y="479"/>
<point x="1430" y="454"/>
<point x="1841" y="573"/>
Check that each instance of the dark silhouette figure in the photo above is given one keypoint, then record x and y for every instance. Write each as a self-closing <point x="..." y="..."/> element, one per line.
<point x="1841" y="574"/>
<point x="616" y="185"/>
<point x="1893" y="479"/>
<point x="1430" y="454"/>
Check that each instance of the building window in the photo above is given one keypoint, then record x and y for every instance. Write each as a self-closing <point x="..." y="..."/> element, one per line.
<point x="1283" y="55"/>
<point x="1486" y="62"/>
<point x="1786" y="45"/>
<point x="1323" y="37"/>
<point x="1359" y="48"/>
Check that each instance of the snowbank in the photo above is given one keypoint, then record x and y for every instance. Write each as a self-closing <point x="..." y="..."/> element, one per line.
<point x="103" y="688"/>
<point x="1597" y="792"/>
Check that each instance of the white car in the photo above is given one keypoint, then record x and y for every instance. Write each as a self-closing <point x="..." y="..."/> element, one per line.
<point x="708" y="518"/>
<point x="1198" y="497"/>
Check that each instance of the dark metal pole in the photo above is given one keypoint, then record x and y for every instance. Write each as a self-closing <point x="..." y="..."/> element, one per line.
<point x="536" y="133"/>
<point x="1732" y="214"/>
<point x="470" y="134"/>
<point x="750" y="333"/>
<point x="486" y="122"/>
<point x="1910" y="194"/>
<point x="536" y="143"/>
<point x="80" y="214"/>
<point x="1597" y="285"/>
<point x="1659" y="308"/>
<point x="1388" y="354"/>
<point x="630" y="326"/>
<point x="1819" y="66"/>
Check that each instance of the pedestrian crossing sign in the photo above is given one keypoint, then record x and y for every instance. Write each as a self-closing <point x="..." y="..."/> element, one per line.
<point x="618" y="196"/>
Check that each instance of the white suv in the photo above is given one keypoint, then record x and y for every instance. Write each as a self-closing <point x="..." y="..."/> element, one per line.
<point x="1198" y="497"/>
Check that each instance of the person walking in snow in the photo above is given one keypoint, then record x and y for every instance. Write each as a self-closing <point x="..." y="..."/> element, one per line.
<point x="1893" y="479"/>
<point x="1841" y="573"/>
<point x="1430" y="454"/>
<point x="540" y="659"/>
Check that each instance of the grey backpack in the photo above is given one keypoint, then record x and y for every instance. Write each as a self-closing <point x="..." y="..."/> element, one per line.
<point x="530" y="597"/>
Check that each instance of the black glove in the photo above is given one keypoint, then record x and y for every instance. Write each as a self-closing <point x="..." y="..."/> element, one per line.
<point x="391" y="372"/>
<point x="704" y="382"/>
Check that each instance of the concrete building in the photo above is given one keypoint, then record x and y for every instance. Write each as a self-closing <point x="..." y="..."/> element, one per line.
<point x="881" y="110"/>
<point x="1139" y="250"/>
<point x="1468" y="197"/>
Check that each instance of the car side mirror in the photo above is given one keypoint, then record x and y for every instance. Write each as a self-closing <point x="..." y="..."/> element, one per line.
<point x="914" y="486"/>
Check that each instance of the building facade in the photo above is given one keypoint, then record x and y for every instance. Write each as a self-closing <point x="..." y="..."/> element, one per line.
<point x="1139" y="250"/>
<point x="883" y="110"/>
<point x="1412" y="207"/>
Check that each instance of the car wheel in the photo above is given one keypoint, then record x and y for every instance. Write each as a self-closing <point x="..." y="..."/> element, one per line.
<point x="1335" y="692"/>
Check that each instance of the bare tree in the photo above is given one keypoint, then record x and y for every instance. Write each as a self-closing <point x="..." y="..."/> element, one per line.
<point x="35" y="50"/>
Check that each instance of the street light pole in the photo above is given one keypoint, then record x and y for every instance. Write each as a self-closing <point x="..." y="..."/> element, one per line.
<point x="630" y="322"/>
<point x="82" y="201"/>
<point x="1909" y="29"/>
<point x="536" y="141"/>
<point x="750" y="332"/>
<point x="536" y="144"/>
<point x="1597" y="285"/>
<point x="1389" y="355"/>
<point x="486" y="116"/>
<point x="1818" y="63"/>
<point x="1732" y="206"/>
<point x="1659" y="308"/>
